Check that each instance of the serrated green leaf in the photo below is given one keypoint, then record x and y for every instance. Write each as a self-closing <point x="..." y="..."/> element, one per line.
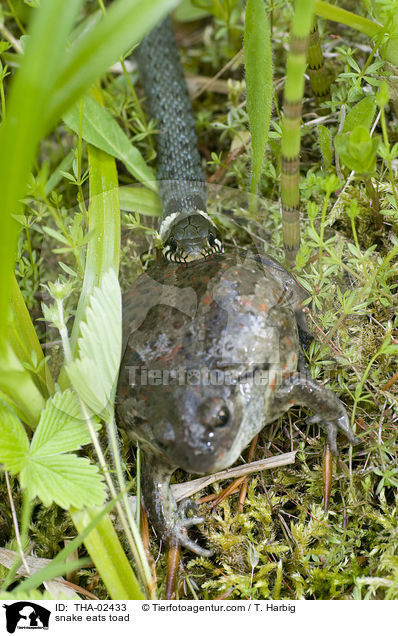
<point x="62" y="427"/>
<point x="101" y="130"/>
<point x="66" y="480"/>
<point x="14" y="443"/>
<point x="94" y="374"/>
<point x="259" y="88"/>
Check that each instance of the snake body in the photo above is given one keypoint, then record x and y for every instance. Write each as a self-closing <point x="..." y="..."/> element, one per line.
<point x="185" y="227"/>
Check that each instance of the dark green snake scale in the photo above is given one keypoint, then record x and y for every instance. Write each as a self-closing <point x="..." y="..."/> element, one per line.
<point x="185" y="226"/>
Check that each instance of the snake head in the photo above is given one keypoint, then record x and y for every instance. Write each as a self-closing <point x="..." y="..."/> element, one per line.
<point x="192" y="237"/>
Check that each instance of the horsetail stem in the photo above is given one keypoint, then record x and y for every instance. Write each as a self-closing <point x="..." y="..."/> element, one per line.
<point x="319" y="79"/>
<point x="292" y="105"/>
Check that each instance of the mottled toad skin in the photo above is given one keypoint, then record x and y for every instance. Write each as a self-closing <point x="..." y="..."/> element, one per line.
<point x="228" y="317"/>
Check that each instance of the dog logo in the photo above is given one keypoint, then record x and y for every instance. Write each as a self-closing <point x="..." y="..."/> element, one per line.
<point x="26" y="615"/>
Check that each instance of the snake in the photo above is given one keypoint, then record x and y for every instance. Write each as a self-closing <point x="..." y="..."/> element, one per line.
<point x="186" y="229"/>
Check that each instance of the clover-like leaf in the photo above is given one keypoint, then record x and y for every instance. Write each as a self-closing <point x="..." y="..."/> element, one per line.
<point x="66" y="480"/>
<point x="46" y="472"/>
<point x="61" y="428"/>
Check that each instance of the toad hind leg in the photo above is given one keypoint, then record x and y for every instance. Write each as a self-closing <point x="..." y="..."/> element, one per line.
<point x="169" y="518"/>
<point x="329" y="411"/>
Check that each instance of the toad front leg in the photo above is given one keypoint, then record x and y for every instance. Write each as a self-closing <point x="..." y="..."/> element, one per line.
<point x="301" y="389"/>
<point x="169" y="518"/>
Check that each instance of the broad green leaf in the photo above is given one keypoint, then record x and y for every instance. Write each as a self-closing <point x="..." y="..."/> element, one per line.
<point x="382" y="96"/>
<point x="390" y="51"/>
<point x="325" y="144"/>
<point x="66" y="480"/>
<point x="358" y="150"/>
<point x="94" y="374"/>
<point x="362" y="114"/>
<point x="139" y="199"/>
<point x="102" y="131"/>
<point x="259" y="88"/>
<point x="61" y="427"/>
<point x="14" y="443"/>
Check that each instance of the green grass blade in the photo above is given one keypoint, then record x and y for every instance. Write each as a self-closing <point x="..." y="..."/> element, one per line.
<point x="47" y="573"/>
<point x="104" y="548"/>
<point x="18" y="388"/>
<point x="51" y="571"/>
<point x="103" y="250"/>
<point x="24" y="340"/>
<point x="259" y="88"/>
<point x="20" y="133"/>
<point x="337" y="14"/>
<point x="124" y="25"/>
<point x="38" y="99"/>
<point x="14" y="442"/>
<point x="25" y="381"/>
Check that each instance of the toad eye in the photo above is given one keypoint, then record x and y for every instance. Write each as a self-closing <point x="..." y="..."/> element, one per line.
<point x="223" y="416"/>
